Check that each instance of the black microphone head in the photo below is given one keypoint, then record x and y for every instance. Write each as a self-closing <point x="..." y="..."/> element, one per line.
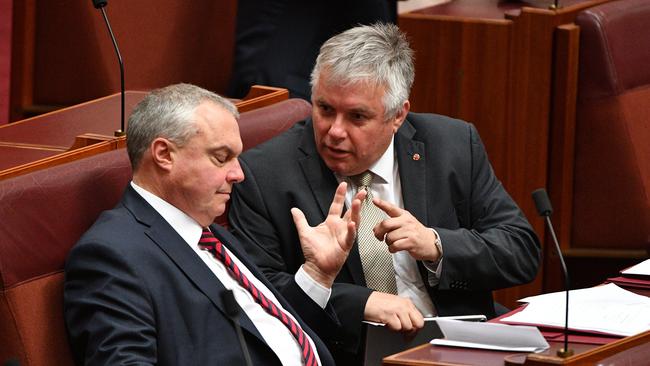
<point x="230" y="304"/>
<point x="100" y="3"/>
<point x="542" y="202"/>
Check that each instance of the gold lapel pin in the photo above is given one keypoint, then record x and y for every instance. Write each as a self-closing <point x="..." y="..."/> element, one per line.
<point x="416" y="156"/>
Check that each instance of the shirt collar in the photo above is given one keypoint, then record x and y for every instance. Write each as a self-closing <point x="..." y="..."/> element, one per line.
<point x="383" y="168"/>
<point x="184" y="225"/>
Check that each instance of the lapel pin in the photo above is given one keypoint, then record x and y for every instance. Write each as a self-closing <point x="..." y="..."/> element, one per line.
<point x="416" y="156"/>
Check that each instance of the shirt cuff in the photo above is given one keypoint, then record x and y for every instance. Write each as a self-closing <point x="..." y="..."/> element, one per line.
<point x="435" y="268"/>
<point x="317" y="292"/>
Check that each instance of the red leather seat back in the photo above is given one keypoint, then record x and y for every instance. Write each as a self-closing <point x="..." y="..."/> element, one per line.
<point x="612" y="165"/>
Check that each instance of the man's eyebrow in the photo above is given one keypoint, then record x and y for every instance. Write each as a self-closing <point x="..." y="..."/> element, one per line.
<point x="362" y="110"/>
<point x="221" y="148"/>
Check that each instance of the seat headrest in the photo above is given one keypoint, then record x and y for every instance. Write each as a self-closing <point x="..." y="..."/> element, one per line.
<point x="614" y="48"/>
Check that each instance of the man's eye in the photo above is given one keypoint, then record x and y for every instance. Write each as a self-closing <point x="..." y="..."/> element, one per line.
<point x="325" y="108"/>
<point x="358" y="117"/>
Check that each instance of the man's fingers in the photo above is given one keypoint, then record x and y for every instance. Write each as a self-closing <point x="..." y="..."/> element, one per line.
<point x="336" y="208"/>
<point x="417" y="320"/>
<point x="355" y="212"/>
<point x="299" y="219"/>
<point x="390" y="209"/>
<point x="350" y="236"/>
<point x="405" y="319"/>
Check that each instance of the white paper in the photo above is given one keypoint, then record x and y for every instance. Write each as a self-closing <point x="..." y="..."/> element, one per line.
<point x="490" y="336"/>
<point x="607" y="309"/>
<point x="641" y="269"/>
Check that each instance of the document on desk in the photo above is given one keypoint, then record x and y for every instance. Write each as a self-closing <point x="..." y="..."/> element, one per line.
<point x="500" y="337"/>
<point x="607" y="309"/>
<point x="641" y="269"/>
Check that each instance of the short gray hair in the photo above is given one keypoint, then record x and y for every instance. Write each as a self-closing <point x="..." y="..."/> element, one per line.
<point x="168" y="112"/>
<point x="378" y="54"/>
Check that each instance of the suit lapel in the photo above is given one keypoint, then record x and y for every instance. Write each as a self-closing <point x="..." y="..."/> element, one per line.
<point x="321" y="180"/>
<point x="168" y="240"/>
<point x="322" y="183"/>
<point x="411" y="158"/>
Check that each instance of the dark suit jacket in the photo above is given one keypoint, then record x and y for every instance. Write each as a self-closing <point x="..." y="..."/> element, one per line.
<point x="135" y="293"/>
<point x="277" y="41"/>
<point x="488" y="244"/>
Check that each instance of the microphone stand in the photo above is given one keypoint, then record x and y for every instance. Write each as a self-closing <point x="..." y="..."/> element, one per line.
<point x="544" y="208"/>
<point x="563" y="352"/>
<point x="232" y="310"/>
<point x="101" y="5"/>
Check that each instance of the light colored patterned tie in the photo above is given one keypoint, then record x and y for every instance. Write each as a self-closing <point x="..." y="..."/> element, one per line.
<point x="376" y="260"/>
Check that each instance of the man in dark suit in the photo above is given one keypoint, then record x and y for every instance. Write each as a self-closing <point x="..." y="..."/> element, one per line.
<point x="452" y="232"/>
<point x="277" y="41"/>
<point x="145" y="284"/>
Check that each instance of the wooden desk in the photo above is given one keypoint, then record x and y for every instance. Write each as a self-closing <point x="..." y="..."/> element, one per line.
<point x="632" y="350"/>
<point x="627" y="351"/>
<point x="511" y="69"/>
<point x="86" y="129"/>
<point x="13" y="154"/>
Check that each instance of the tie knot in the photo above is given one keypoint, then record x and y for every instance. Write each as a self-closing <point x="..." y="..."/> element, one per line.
<point x="362" y="180"/>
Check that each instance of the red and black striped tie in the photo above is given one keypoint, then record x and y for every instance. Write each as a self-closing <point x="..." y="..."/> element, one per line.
<point x="213" y="245"/>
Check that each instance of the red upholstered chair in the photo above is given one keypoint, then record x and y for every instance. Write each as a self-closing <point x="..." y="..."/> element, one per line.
<point x="42" y="214"/>
<point x="611" y="206"/>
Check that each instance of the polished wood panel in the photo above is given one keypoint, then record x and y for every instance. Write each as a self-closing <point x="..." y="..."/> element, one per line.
<point x="428" y="354"/>
<point x="62" y="53"/>
<point x="505" y="67"/>
<point x="261" y="96"/>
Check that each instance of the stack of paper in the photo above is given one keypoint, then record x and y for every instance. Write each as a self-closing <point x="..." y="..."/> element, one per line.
<point x="635" y="277"/>
<point x="641" y="269"/>
<point x="608" y="309"/>
<point x="492" y="336"/>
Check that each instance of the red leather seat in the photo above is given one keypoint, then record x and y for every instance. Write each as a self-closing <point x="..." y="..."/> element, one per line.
<point x="45" y="212"/>
<point x="612" y="151"/>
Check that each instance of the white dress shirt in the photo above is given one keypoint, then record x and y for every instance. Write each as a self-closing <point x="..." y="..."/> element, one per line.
<point x="275" y="333"/>
<point x="386" y="185"/>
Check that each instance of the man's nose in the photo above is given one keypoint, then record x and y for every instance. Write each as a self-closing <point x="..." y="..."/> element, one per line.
<point x="235" y="173"/>
<point x="337" y="129"/>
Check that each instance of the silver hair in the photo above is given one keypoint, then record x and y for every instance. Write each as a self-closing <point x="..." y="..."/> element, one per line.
<point x="168" y="112"/>
<point x="378" y="54"/>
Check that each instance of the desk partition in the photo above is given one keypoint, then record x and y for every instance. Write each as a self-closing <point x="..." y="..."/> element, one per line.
<point x="85" y="130"/>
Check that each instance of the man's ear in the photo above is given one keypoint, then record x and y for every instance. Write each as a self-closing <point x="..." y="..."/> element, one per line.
<point x="401" y="116"/>
<point x="162" y="151"/>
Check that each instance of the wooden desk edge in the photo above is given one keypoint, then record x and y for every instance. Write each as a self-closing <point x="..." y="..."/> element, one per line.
<point x="64" y="157"/>
<point x="533" y="359"/>
<point x="590" y="356"/>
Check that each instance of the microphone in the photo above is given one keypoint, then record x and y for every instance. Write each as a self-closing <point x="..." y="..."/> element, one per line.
<point x="232" y="310"/>
<point x="544" y="208"/>
<point x="101" y="4"/>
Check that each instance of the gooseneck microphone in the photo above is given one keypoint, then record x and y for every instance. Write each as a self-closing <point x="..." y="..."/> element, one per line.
<point x="101" y="4"/>
<point x="545" y="210"/>
<point x="232" y="310"/>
